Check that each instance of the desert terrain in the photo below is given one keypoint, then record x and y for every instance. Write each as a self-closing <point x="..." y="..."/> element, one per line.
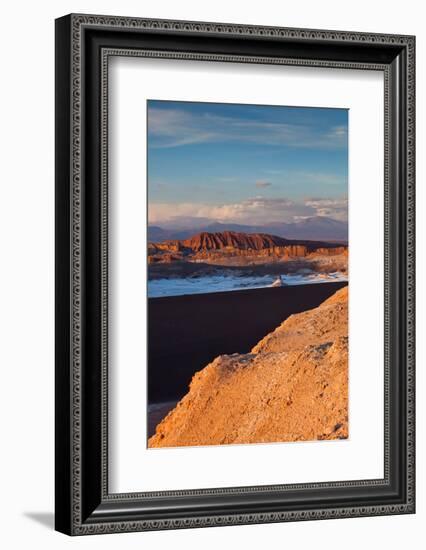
<point x="243" y="254"/>
<point x="291" y="386"/>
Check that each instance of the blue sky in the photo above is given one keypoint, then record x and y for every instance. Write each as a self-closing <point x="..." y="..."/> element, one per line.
<point x="245" y="163"/>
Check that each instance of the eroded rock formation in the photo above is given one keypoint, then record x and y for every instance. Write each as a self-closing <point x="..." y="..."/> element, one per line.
<point x="213" y="247"/>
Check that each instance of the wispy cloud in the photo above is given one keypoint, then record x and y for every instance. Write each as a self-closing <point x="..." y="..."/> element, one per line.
<point x="332" y="208"/>
<point x="263" y="183"/>
<point x="176" y="128"/>
<point x="257" y="210"/>
<point x="226" y="179"/>
<point x="306" y="177"/>
<point x="339" y="132"/>
<point x="253" y="210"/>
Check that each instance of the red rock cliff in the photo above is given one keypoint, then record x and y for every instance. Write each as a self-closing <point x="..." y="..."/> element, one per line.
<point x="231" y="239"/>
<point x="207" y="246"/>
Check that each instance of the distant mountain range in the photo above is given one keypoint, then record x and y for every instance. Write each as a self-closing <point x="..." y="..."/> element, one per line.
<point x="319" y="228"/>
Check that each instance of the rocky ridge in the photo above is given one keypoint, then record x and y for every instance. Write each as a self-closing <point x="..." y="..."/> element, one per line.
<point x="219" y="246"/>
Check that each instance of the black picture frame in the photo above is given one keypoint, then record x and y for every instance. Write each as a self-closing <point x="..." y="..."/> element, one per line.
<point x="83" y="45"/>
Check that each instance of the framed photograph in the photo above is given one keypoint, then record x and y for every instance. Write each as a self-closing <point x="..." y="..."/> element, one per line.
<point x="234" y="274"/>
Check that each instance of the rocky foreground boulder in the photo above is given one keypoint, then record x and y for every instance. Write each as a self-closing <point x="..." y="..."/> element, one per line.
<point x="293" y="386"/>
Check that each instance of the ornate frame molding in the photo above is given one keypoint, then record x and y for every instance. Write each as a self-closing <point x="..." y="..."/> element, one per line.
<point x="75" y="27"/>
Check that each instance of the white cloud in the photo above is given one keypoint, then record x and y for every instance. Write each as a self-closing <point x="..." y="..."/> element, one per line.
<point x="257" y="210"/>
<point x="332" y="208"/>
<point x="339" y="131"/>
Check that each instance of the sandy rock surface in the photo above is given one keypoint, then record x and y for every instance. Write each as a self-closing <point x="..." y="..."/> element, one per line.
<point x="293" y="386"/>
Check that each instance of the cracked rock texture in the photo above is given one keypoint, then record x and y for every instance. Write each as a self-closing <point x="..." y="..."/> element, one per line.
<point x="293" y="386"/>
